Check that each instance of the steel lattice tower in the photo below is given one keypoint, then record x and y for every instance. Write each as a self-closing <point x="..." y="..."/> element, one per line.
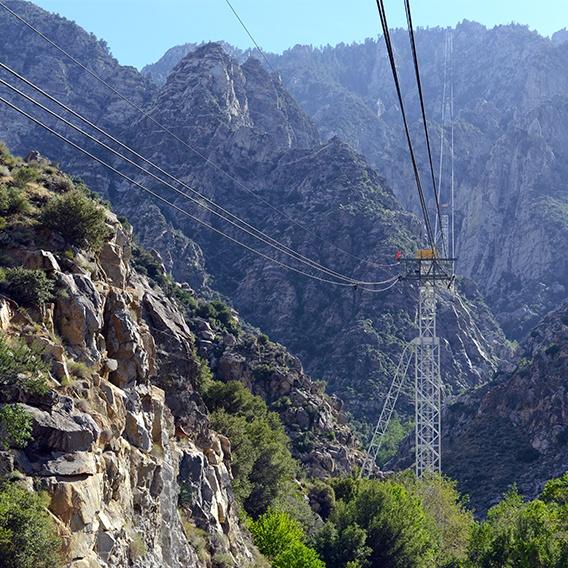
<point x="427" y="379"/>
<point x="429" y="272"/>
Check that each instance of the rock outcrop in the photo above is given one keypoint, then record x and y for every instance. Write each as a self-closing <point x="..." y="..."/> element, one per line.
<point x="513" y="431"/>
<point x="122" y="441"/>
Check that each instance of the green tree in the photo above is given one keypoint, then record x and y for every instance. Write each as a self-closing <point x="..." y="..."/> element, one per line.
<point x="79" y="219"/>
<point x="262" y="463"/>
<point x="298" y="555"/>
<point x="15" y="426"/>
<point x="556" y="491"/>
<point x="518" y="534"/>
<point x="27" y="534"/>
<point x="29" y="288"/>
<point x="379" y="524"/>
<point x="280" y="539"/>
<point x="452" y="521"/>
<point x="344" y="544"/>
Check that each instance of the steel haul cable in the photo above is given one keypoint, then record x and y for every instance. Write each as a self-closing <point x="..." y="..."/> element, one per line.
<point x="273" y="243"/>
<point x="423" y="109"/>
<point x="390" y="53"/>
<point x="168" y="131"/>
<point x="183" y="211"/>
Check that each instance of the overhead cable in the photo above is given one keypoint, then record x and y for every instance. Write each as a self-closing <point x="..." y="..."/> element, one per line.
<point x="249" y="229"/>
<point x="183" y="211"/>
<point x="423" y="110"/>
<point x="390" y="53"/>
<point x="197" y="152"/>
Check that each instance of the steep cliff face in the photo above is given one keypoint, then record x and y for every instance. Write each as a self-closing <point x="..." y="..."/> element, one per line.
<point x="510" y="86"/>
<point x="513" y="431"/>
<point x="123" y="426"/>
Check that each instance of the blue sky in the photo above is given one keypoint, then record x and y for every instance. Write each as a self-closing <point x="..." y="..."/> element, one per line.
<point x="140" y="31"/>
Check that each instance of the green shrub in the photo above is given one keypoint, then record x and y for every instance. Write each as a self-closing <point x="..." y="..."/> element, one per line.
<point x="21" y="367"/>
<point x="521" y="535"/>
<point x="137" y="548"/>
<point x="25" y="175"/>
<point x="261" y="462"/>
<point x="452" y="522"/>
<point x="77" y="218"/>
<point x="29" y="288"/>
<point x="13" y="201"/>
<point x="28" y="538"/>
<point x="382" y="523"/>
<point x="220" y="313"/>
<point x="280" y="539"/>
<point x="15" y="426"/>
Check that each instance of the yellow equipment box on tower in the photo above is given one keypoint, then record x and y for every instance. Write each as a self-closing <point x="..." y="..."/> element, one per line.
<point x="426" y="254"/>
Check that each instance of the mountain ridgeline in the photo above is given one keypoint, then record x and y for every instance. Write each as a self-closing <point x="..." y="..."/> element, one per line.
<point x="510" y="89"/>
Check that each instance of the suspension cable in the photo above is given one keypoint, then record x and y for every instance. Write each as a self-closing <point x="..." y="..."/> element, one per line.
<point x="250" y="35"/>
<point x="181" y="210"/>
<point x="249" y="229"/>
<point x="390" y="52"/>
<point x="452" y="181"/>
<point x="197" y="152"/>
<point x="423" y="110"/>
<point x="443" y="126"/>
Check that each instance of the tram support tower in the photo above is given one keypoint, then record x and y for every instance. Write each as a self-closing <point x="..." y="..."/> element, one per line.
<point x="430" y="272"/>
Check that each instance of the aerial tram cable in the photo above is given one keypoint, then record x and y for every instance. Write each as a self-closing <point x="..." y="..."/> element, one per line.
<point x="390" y="53"/>
<point x="250" y="35"/>
<point x="197" y="152"/>
<point x="249" y="229"/>
<point x="452" y="155"/>
<point x="423" y="111"/>
<point x="443" y="127"/>
<point x="183" y="211"/>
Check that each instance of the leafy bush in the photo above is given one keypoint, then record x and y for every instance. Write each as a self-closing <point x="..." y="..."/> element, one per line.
<point x="77" y="218"/>
<point x="280" y="539"/>
<point x="521" y="535"/>
<point x="556" y="491"/>
<point x="13" y="201"/>
<point x="381" y="525"/>
<point x="15" y="426"/>
<point x="30" y="288"/>
<point x="27" y="534"/>
<point x="262" y="464"/>
<point x="452" y="523"/>
<point x="21" y="368"/>
<point x="394" y="436"/>
<point x="220" y="313"/>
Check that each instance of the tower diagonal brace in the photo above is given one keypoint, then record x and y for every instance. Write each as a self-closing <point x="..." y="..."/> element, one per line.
<point x="388" y="409"/>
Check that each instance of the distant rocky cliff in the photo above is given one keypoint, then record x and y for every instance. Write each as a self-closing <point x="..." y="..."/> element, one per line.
<point x="510" y="98"/>
<point x="514" y="431"/>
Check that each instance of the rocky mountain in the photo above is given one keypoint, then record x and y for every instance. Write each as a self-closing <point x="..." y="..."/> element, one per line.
<point x="510" y="97"/>
<point x="244" y="121"/>
<point x="513" y="431"/>
<point x="108" y="358"/>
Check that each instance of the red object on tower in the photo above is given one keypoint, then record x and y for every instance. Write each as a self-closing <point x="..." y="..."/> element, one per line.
<point x="398" y="255"/>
